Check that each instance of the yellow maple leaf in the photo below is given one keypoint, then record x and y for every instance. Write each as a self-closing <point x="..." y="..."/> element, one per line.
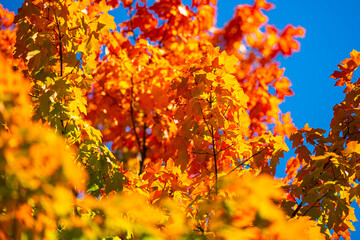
<point x="352" y="147"/>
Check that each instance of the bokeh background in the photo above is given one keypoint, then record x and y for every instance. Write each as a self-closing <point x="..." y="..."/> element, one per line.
<point x="332" y="32"/>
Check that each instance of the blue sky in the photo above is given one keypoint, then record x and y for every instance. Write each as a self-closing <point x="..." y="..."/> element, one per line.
<point x="332" y="32"/>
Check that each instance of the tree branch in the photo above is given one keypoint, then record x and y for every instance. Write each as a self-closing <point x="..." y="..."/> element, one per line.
<point x="63" y="131"/>
<point x="318" y="200"/>
<point x="144" y="148"/>
<point x="141" y="144"/>
<point x="302" y="202"/>
<point x="297" y="209"/>
<point x="243" y="162"/>
<point x="214" y="154"/>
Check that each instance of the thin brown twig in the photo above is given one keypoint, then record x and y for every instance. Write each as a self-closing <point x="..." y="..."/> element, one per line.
<point x="213" y="142"/>
<point x="201" y="153"/>
<point x="144" y="148"/>
<point x="63" y="130"/>
<point x="132" y="115"/>
<point x="302" y="202"/>
<point x="221" y="150"/>
<point x="244" y="161"/>
<point x="318" y="200"/>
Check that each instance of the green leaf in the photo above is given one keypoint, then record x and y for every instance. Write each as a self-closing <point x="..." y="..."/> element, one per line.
<point x="93" y="188"/>
<point x="115" y="182"/>
<point x="45" y="103"/>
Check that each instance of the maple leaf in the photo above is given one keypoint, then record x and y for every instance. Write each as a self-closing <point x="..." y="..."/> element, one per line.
<point x="352" y="147"/>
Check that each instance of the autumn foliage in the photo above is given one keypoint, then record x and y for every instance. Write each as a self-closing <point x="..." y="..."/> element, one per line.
<point x="164" y="127"/>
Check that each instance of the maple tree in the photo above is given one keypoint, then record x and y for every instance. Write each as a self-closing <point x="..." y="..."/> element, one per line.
<point x="164" y="127"/>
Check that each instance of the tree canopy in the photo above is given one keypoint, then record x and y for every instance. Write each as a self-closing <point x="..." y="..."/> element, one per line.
<point x="165" y="127"/>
